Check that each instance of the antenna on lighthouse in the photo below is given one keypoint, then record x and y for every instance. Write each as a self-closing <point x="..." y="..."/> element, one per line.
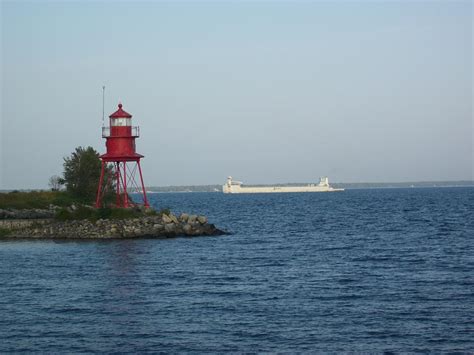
<point x="103" y="105"/>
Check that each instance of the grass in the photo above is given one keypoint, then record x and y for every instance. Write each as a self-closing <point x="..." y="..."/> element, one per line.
<point x="93" y="214"/>
<point x="4" y="232"/>
<point x="35" y="199"/>
<point x="43" y="199"/>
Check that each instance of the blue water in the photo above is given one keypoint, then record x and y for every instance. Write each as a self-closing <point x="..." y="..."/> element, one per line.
<point x="362" y="270"/>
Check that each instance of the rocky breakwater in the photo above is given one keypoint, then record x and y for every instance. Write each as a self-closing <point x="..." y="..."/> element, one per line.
<point x="151" y="226"/>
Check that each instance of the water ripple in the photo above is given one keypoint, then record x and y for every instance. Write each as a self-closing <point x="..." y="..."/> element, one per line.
<point x="360" y="271"/>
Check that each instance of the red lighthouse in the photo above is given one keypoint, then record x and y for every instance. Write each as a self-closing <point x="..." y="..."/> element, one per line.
<point x="120" y="143"/>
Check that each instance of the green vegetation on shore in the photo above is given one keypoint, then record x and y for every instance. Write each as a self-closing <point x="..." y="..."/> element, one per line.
<point x="80" y="178"/>
<point x="82" y="172"/>
<point x="64" y="206"/>
<point x="36" y="199"/>
<point x="4" y="232"/>
<point x="94" y="214"/>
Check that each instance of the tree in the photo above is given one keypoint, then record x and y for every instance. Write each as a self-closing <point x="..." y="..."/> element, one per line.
<point x="55" y="183"/>
<point x="82" y="173"/>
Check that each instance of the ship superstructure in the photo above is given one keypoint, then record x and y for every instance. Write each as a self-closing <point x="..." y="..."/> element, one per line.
<point x="235" y="187"/>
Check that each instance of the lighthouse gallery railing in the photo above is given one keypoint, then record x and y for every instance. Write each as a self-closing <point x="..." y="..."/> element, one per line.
<point x="106" y="132"/>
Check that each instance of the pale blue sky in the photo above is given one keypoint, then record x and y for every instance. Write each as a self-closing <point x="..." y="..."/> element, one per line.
<point x="268" y="92"/>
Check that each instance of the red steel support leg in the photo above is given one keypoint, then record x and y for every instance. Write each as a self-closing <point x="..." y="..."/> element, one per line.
<point x="98" y="200"/>
<point x="145" y="201"/>
<point x="117" y="176"/>
<point x="125" y="192"/>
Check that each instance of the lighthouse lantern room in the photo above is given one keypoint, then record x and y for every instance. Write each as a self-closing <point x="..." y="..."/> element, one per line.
<point x="123" y="160"/>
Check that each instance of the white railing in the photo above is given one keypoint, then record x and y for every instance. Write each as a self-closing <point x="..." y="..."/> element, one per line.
<point x="106" y="132"/>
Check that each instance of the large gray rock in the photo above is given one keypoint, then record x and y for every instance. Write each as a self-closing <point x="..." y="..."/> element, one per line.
<point x="202" y="219"/>
<point x="188" y="229"/>
<point x="158" y="227"/>
<point x="170" y="228"/>
<point x="173" y="218"/>
<point x="166" y="219"/>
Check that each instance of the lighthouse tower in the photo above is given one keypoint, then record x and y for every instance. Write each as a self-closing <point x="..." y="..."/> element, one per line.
<point x="124" y="160"/>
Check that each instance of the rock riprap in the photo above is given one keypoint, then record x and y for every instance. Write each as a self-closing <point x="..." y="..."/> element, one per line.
<point x="154" y="226"/>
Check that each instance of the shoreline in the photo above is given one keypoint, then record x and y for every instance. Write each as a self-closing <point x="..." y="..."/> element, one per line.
<point x="105" y="239"/>
<point x="145" y="227"/>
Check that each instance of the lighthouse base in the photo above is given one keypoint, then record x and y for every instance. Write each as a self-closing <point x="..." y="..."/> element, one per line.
<point x="125" y="177"/>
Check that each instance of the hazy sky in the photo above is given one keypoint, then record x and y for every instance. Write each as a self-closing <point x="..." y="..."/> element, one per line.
<point x="268" y="92"/>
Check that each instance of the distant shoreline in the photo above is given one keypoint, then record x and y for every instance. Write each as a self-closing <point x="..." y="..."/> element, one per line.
<point x="349" y="186"/>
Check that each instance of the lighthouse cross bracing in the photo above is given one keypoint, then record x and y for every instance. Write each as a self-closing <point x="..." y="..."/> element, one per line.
<point x="123" y="160"/>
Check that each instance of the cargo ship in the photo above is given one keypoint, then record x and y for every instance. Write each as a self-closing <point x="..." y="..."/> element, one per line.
<point x="235" y="187"/>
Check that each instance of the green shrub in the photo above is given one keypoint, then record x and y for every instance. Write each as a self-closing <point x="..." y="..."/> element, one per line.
<point x="104" y="213"/>
<point x="124" y="213"/>
<point x="63" y="215"/>
<point x="4" y="232"/>
<point x="64" y="199"/>
<point x="84" y="212"/>
<point x="150" y="212"/>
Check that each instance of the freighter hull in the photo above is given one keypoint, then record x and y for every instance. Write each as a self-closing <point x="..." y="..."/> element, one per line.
<point x="235" y="187"/>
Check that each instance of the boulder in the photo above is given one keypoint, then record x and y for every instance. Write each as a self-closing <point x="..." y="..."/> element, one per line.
<point x="202" y="219"/>
<point x="184" y="217"/>
<point x="192" y="218"/>
<point x="166" y="219"/>
<point x="158" y="226"/>
<point x="170" y="228"/>
<point x="173" y="218"/>
<point x="188" y="229"/>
